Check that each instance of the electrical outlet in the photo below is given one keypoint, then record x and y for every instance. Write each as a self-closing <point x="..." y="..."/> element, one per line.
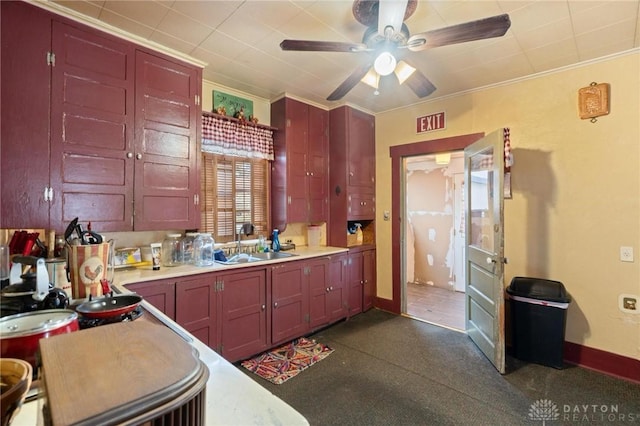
<point x="628" y="303"/>
<point x="626" y="254"/>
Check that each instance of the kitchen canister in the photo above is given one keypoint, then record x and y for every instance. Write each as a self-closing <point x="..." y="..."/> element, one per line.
<point x="87" y="266"/>
<point x="186" y="247"/>
<point x="203" y="250"/>
<point x="171" y="250"/>
<point x="313" y="235"/>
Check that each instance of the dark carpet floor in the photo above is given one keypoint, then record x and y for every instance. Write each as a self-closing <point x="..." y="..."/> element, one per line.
<point x="393" y="370"/>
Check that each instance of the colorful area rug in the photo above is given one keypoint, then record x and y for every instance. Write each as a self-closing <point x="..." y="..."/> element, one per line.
<point x="285" y="362"/>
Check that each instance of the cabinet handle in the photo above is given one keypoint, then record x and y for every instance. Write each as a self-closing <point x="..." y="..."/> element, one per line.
<point x="310" y="173"/>
<point x="263" y="307"/>
<point x="327" y="289"/>
<point x="331" y="288"/>
<point x="129" y="154"/>
<point x="275" y="304"/>
<point x="350" y="173"/>
<point x="138" y="156"/>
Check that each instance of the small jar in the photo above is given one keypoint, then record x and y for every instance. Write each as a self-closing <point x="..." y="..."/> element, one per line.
<point x="171" y="253"/>
<point x="203" y="248"/>
<point x="186" y="247"/>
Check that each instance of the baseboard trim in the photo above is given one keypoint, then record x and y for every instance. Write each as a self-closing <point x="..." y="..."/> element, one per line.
<point x="604" y="362"/>
<point x="385" y="305"/>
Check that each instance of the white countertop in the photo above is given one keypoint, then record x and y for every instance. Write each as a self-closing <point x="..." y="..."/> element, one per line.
<point x="233" y="398"/>
<point x="146" y="273"/>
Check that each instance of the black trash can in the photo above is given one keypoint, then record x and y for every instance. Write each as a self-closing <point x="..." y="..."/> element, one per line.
<point x="538" y="319"/>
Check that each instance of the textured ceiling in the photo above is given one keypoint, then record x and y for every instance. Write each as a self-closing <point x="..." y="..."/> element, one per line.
<point x="239" y="42"/>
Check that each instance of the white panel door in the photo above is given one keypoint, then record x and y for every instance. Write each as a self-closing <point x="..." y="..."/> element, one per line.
<point x="484" y="297"/>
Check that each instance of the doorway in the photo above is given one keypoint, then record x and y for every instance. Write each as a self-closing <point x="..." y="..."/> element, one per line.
<point x="434" y="239"/>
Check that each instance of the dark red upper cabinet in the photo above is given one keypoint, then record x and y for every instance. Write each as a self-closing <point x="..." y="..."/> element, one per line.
<point x="351" y="172"/>
<point x="98" y="128"/>
<point x="24" y="133"/>
<point x="166" y="149"/>
<point x="92" y="132"/>
<point x="300" y="170"/>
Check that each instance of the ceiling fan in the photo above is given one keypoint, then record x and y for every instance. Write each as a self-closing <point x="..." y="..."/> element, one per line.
<point x="387" y="41"/>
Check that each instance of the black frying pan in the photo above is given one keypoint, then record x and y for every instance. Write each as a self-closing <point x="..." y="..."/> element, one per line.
<point x="108" y="307"/>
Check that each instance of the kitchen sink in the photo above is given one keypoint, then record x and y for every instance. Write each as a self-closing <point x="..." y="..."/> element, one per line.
<point x="272" y="255"/>
<point x="255" y="257"/>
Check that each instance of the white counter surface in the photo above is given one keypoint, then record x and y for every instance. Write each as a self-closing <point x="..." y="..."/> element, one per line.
<point x="233" y="398"/>
<point x="145" y="273"/>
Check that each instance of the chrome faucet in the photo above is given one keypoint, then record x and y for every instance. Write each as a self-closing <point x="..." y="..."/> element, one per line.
<point x="246" y="229"/>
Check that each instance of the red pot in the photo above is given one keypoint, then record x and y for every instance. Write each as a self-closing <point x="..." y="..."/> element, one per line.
<point x="20" y="333"/>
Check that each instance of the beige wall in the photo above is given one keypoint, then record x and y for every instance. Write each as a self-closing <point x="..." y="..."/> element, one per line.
<point x="576" y="188"/>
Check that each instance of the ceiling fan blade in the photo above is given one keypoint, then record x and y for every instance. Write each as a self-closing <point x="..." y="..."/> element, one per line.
<point x="350" y="82"/>
<point x="391" y="14"/>
<point x="420" y="84"/>
<point x="495" y="26"/>
<point x="322" y="46"/>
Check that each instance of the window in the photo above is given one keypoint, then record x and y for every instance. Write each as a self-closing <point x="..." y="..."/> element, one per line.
<point x="234" y="191"/>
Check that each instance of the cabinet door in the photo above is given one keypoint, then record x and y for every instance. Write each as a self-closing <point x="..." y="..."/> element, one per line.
<point x="361" y="128"/>
<point x="319" y="281"/>
<point x="196" y="307"/>
<point x="25" y="81"/>
<point x="166" y="148"/>
<point x="161" y="294"/>
<point x="361" y="207"/>
<point x="297" y="158"/>
<point x="92" y="107"/>
<point x="369" y="279"/>
<point x="337" y="300"/>
<point x="289" y="301"/>
<point x="318" y="165"/>
<point x="356" y="281"/>
<point x="243" y="314"/>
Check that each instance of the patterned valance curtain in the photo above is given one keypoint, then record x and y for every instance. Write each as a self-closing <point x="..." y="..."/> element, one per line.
<point x="236" y="138"/>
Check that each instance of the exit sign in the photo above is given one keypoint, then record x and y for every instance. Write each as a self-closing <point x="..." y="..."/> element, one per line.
<point x="431" y="122"/>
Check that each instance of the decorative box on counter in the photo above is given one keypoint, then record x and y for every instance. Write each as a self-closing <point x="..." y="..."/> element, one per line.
<point x="127" y="256"/>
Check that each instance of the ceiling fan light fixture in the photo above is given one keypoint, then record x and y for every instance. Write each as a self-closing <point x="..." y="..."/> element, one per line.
<point x="385" y="63"/>
<point x="372" y="78"/>
<point x="403" y="71"/>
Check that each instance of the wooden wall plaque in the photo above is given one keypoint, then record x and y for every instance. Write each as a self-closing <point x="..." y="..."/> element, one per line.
<point x="593" y="100"/>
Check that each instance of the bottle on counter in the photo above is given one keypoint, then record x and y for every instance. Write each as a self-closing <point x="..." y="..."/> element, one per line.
<point x="262" y="244"/>
<point x="171" y="252"/>
<point x="203" y="250"/>
<point x="275" y="241"/>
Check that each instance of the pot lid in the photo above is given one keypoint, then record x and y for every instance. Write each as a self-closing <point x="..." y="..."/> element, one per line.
<point x="30" y="323"/>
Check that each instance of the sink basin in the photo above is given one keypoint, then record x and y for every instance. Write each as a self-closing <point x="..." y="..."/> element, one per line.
<point x="272" y="255"/>
<point x="255" y="257"/>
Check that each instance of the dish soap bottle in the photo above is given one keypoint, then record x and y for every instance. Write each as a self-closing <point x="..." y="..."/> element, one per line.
<point x="275" y="241"/>
<point x="359" y="236"/>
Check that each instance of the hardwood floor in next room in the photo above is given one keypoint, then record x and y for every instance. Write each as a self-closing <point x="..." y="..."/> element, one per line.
<point x="436" y="305"/>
